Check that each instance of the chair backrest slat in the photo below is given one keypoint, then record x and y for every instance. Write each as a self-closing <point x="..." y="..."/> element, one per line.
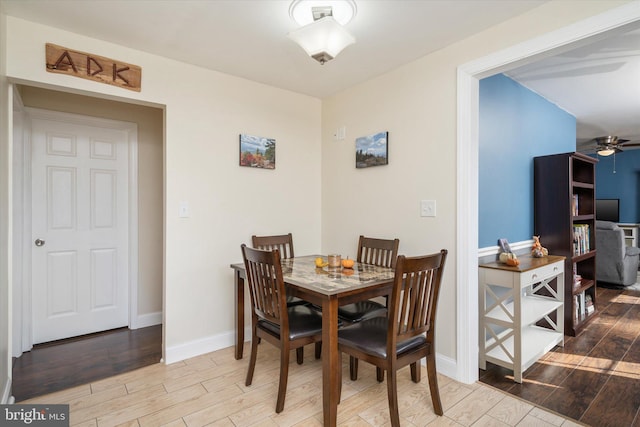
<point x="266" y="284"/>
<point x="381" y="252"/>
<point x="414" y="298"/>
<point x="283" y="243"/>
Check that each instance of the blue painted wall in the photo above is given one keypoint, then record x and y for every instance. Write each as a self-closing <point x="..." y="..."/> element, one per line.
<point x="624" y="184"/>
<point x="516" y="125"/>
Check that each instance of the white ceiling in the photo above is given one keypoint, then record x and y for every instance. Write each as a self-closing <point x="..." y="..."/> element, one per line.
<point x="599" y="84"/>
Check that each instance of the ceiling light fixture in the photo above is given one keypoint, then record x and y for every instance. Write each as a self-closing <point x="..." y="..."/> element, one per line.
<point x="322" y="35"/>
<point x="606" y="151"/>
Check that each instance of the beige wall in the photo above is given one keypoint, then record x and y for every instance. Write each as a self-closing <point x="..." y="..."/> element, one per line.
<point x="150" y="174"/>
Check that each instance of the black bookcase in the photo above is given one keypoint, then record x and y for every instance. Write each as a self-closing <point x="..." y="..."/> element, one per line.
<point x="564" y="218"/>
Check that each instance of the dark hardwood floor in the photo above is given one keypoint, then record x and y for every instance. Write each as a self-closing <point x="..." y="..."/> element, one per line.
<point x="68" y="363"/>
<point x="595" y="378"/>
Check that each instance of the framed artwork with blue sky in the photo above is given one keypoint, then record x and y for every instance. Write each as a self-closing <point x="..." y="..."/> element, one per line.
<point x="372" y="150"/>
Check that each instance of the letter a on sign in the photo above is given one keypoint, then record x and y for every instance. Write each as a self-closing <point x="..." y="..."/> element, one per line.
<point x="93" y="67"/>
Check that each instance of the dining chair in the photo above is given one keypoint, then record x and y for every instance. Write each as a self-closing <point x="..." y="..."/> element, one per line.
<point x="407" y="334"/>
<point x="284" y="243"/>
<point x="286" y="327"/>
<point x="380" y="252"/>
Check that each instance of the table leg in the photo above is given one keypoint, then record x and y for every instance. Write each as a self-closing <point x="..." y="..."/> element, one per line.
<point x="330" y="361"/>
<point x="239" y="291"/>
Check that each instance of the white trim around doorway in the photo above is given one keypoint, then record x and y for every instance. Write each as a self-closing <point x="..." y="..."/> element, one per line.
<point x="23" y="338"/>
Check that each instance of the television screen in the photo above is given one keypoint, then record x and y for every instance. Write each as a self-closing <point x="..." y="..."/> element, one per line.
<point x="608" y="210"/>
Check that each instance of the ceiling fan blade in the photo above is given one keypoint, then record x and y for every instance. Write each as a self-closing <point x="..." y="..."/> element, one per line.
<point x="609" y="141"/>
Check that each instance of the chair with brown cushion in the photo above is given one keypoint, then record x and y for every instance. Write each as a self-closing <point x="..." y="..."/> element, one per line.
<point x="286" y="327"/>
<point x="381" y="252"/>
<point x="407" y="334"/>
<point x="284" y="243"/>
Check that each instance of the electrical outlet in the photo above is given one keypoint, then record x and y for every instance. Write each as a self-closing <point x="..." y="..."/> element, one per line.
<point x="428" y="208"/>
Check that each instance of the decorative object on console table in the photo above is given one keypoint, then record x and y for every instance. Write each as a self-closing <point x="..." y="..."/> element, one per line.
<point x="537" y="250"/>
<point x="566" y="222"/>
<point x="507" y="256"/>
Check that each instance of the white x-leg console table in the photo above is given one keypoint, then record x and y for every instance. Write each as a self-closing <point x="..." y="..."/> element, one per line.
<point x="521" y="312"/>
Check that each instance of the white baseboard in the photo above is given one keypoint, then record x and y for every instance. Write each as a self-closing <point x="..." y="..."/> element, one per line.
<point x="201" y="346"/>
<point x="445" y="365"/>
<point x="149" y="319"/>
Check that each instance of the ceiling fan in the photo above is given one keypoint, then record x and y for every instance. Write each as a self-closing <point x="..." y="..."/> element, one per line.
<point x="608" y="145"/>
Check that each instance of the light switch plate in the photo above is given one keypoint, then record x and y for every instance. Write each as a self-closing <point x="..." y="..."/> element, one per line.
<point x="428" y="208"/>
<point x="183" y="211"/>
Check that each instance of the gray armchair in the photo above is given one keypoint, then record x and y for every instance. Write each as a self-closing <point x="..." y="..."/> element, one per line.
<point x="615" y="262"/>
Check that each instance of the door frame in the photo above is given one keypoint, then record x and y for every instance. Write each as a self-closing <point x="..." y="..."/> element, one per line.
<point x="23" y="316"/>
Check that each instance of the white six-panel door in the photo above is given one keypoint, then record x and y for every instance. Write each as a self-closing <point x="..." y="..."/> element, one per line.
<point x="80" y="229"/>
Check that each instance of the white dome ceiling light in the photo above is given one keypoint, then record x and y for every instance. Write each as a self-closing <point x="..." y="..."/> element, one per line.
<point x="322" y="34"/>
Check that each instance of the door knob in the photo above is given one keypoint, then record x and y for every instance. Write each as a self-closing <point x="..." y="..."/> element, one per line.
<point x="39" y="242"/>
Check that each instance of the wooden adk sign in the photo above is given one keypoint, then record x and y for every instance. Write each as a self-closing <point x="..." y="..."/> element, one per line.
<point x="93" y="67"/>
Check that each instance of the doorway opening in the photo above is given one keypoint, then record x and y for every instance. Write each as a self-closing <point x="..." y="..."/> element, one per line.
<point x="615" y="21"/>
<point x="144" y="310"/>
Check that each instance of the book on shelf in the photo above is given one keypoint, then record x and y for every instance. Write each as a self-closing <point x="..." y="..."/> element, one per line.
<point x="581" y="234"/>
<point x="583" y="303"/>
<point x="574" y="205"/>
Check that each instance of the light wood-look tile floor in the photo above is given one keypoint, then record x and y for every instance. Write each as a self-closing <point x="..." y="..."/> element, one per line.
<point x="209" y="390"/>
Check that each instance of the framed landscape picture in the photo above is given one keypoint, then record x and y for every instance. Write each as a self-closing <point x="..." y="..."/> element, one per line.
<point x="372" y="150"/>
<point x="257" y="152"/>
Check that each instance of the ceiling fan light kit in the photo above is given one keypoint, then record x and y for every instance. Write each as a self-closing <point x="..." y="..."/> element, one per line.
<point x="322" y="34"/>
<point x="608" y="145"/>
<point x="606" y="151"/>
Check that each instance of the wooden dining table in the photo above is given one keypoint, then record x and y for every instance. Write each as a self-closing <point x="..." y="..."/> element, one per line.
<point x="327" y="288"/>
